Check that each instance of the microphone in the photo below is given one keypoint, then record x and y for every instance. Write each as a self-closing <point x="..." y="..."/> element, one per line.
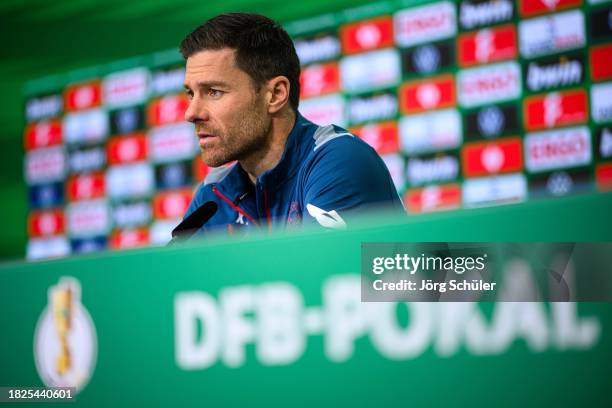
<point x="193" y="222"/>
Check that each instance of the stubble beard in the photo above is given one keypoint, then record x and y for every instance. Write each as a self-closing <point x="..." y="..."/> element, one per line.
<point x="244" y="140"/>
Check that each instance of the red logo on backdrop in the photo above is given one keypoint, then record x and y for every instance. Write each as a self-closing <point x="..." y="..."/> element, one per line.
<point x="603" y="175"/>
<point x="367" y="35"/>
<point x="383" y="137"/>
<point x="86" y="186"/>
<point x="200" y="169"/>
<point x="319" y="79"/>
<point x="601" y="62"/>
<point x="532" y="7"/>
<point x="555" y="109"/>
<point x="433" y="198"/>
<point x="127" y="149"/>
<point x="432" y="93"/>
<point x="488" y="45"/>
<point x="167" y="109"/>
<point x="43" y="134"/>
<point x="83" y="96"/>
<point x="129" y="238"/>
<point x="485" y="158"/>
<point x="171" y="204"/>
<point x="46" y="223"/>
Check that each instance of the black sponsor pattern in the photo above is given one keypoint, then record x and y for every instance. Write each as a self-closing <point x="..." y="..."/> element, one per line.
<point x="491" y="121"/>
<point x="557" y="72"/>
<point x="173" y="175"/>
<point x="560" y="183"/>
<point x="604" y="143"/>
<point x="87" y="245"/>
<point x="127" y="120"/>
<point x="601" y="23"/>
<point x="428" y="58"/>
<point x="46" y="195"/>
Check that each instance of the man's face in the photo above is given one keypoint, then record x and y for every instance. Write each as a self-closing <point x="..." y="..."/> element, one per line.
<point x="230" y="116"/>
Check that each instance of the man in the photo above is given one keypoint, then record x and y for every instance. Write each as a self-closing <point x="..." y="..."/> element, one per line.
<point x="242" y="78"/>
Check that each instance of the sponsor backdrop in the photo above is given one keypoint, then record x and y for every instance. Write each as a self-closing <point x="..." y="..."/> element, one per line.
<point x="470" y="103"/>
<point x="272" y="326"/>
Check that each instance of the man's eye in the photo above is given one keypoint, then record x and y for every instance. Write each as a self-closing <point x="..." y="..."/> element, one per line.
<point x="214" y="93"/>
<point x="189" y="94"/>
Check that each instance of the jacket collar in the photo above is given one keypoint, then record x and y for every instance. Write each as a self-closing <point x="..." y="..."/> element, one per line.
<point x="237" y="182"/>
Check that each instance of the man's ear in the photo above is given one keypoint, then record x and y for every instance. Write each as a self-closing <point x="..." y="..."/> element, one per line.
<point x="277" y="93"/>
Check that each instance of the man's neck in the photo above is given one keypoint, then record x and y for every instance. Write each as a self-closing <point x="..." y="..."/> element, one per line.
<point x="280" y="128"/>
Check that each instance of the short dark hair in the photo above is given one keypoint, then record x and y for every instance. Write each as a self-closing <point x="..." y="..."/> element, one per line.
<point x="264" y="50"/>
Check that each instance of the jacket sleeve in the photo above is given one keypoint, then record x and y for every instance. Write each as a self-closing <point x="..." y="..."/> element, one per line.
<point x="346" y="177"/>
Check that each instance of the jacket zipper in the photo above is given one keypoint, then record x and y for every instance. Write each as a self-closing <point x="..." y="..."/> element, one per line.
<point x="234" y="206"/>
<point x="267" y="209"/>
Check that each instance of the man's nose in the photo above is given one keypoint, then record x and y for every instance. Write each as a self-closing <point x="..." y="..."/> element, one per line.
<point x="196" y="111"/>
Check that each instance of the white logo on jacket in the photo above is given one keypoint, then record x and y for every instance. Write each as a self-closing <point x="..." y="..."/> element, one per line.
<point x="328" y="219"/>
<point x="241" y="220"/>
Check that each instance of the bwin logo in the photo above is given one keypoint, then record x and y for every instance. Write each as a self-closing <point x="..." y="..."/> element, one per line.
<point x="491" y="121"/>
<point x="564" y="73"/>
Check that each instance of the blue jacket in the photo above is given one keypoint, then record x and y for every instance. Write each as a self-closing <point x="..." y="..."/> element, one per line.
<point x="323" y="173"/>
